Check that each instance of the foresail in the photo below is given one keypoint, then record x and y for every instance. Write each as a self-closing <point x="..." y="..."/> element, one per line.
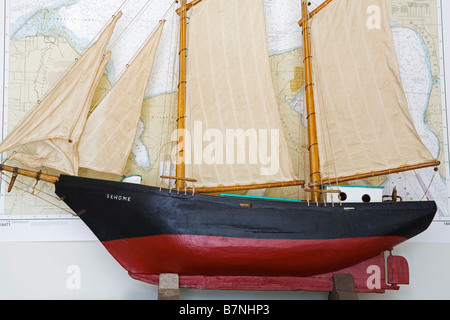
<point x="110" y="130"/>
<point x="50" y="133"/>
<point x="234" y="134"/>
<point x="364" y="124"/>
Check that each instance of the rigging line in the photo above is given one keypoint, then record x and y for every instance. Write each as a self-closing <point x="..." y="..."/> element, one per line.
<point x="130" y="24"/>
<point x="164" y="154"/>
<point x="103" y="28"/>
<point x="302" y="137"/>
<point x="429" y="185"/>
<point x="188" y="89"/>
<point x="5" y="43"/>
<point x="135" y="55"/>
<point x="443" y="80"/>
<point x="172" y="108"/>
<point x="134" y="20"/>
<point x="328" y="147"/>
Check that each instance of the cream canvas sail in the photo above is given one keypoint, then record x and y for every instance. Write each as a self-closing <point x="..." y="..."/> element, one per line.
<point x="52" y="130"/>
<point x="364" y="124"/>
<point x="232" y="114"/>
<point x="110" y="130"/>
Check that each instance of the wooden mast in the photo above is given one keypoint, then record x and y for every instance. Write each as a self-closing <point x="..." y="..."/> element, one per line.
<point x="181" y="120"/>
<point x="189" y="5"/>
<point x="310" y="107"/>
<point x="180" y="167"/>
<point x="314" y="12"/>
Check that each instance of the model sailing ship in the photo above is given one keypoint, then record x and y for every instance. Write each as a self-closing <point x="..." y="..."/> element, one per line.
<point x="358" y="126"/>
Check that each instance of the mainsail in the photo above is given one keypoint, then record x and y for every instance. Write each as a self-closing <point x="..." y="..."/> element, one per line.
<point x="364" y="126"/>
<point x="110" y="130"/>
<point x="53" y="128"/>
<point x="232" y="114"/>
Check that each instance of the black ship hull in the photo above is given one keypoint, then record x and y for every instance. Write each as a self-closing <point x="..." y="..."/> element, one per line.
<point x="151" y="231"/>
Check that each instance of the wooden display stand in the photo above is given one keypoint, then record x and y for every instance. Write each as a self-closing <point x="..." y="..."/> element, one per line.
<point x="169" y="287"/>
<point x="343" y="288"/>
<point x="370" y="276"/>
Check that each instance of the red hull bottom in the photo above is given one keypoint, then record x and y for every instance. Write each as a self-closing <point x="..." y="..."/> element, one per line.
<point x="217" y="263"/>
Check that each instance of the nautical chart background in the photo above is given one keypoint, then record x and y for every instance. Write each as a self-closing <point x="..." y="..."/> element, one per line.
<point x="41" y="39"/>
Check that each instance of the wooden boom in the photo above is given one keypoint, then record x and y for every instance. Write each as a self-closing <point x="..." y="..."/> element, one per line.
<point x="246" y="187"/>
<point x="375" y="174"/>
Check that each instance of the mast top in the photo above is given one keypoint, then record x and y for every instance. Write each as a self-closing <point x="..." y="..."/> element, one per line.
<point x="188" y="5"/>
<point x="314" y="12"/>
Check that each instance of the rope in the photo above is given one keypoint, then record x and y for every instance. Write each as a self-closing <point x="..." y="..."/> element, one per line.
<point x="429" y="185"/>
<point x="137" y="52"/>
<point x="103" y="28"/>
<point x="130" y="24"/>
<point x="165" y="147"/>
<point x="134" y="20"/>
<point x="325" y="131"/>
